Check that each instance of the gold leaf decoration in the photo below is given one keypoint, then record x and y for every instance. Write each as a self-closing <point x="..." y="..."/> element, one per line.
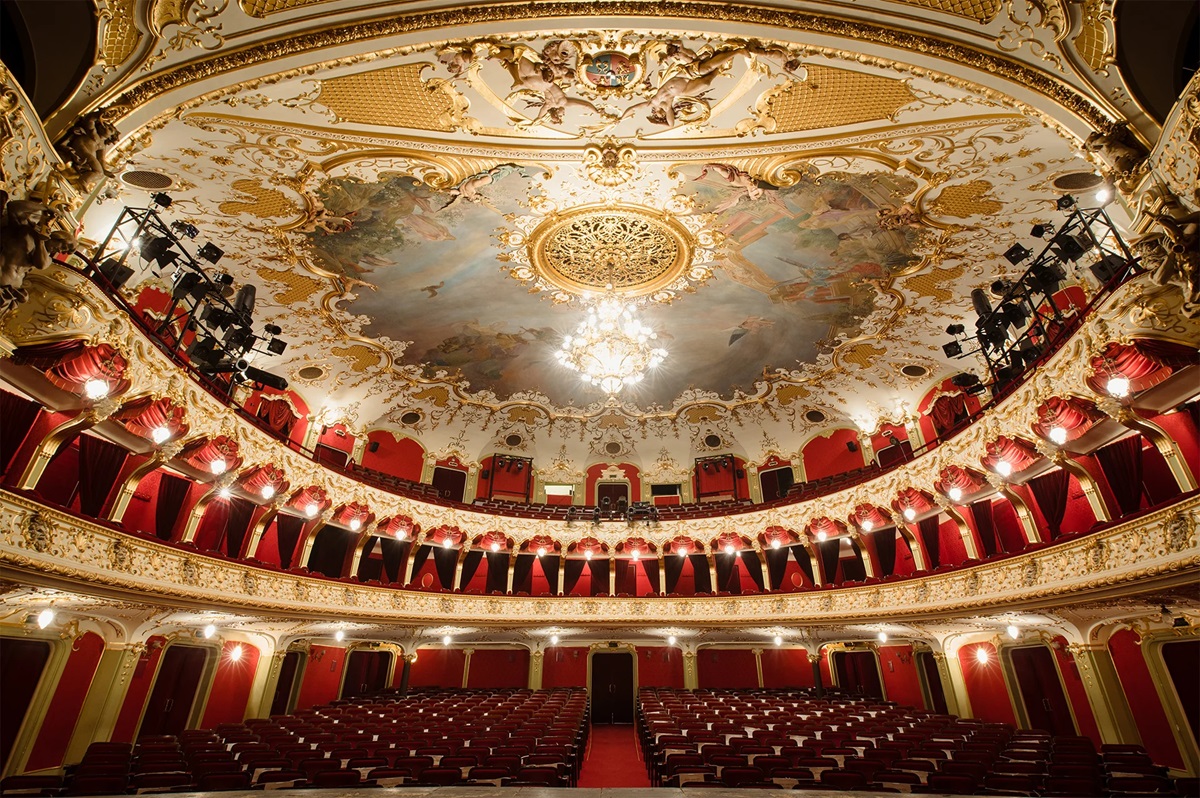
<point x="831" y="97"/>
<point x="298" y="286"/>
<point x="361" y="357"/>
<point x="268" y="202"/>
<point x="524" y="415"/>
<point x="931" y="284"/>
<point x="263" y="8"/>
<point x="436" y="395"/>
<point x="863" y="355"/>
<point x="121" y="36"/>
<point x="978" y="10"/>
<point x="786" y="394"/>
<point x="968" y="199"/>
<point x="392" y="97"/>
<point x="1092" y="41"/>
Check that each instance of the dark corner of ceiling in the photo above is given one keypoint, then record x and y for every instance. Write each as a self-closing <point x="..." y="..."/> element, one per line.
<point x="49" y="46"/>
<point x="1158" y="50"/>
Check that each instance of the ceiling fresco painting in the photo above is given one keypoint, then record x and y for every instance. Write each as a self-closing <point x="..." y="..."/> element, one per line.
<point x="436" y="217"/>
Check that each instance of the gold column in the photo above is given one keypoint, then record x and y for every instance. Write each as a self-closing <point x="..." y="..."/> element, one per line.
<point x="612" y="575"/>
<point x="266" y="675"/>
<point x="250" y="546"/>
<point x="360" y="545"/>
<point x="536" y="662"/>
<point x="310" y="538"/>
<point x="165" y="454"/>
<point x="562" y="572"/>
<point x="758" y="665"/>
<point x="1162" y="441"/>
<point x="467" y="666"/>
<point x="950" y="669"/>
<point x="512" y="562"/>
<point x="970" y="539"/>
<point x="409" y="562"/>
<point x="1105" y="694"/>
<point x="691" y="678"/>
<point x="712" y="571"/>
<point x="65" y="431"/>
<point x="662" y="574"/>
<point x="98" y="715"/>
<point x="463" y="551"/>
<point x="1091" y="491"/>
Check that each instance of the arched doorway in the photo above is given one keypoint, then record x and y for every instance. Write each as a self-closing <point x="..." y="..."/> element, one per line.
<point x="612" y="687"/>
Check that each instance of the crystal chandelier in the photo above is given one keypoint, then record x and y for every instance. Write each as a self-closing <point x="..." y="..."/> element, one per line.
<point x="611" y="348"/>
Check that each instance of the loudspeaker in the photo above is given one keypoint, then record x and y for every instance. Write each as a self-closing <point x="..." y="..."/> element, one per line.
<point x="373" y="446"/>
<point x="485" y="474"/>
<point x="1107" y="268"/>
<point x="852" y="446"/>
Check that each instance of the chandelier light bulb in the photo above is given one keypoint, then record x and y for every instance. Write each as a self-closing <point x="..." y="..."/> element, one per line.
<point x="729" y="549"/>
<point x="775" y="543"/>
<point x="955" y="494"/>
<point x="671" y="640"/>
<point x="447" y="543"/>
<point x="637" y="554"/>
<point x="45" y="618"/>
<point x="1118" y="387"/>
<point x="339" y="635"/>
<point x="541" y="552"/>
<point x="268" y="491"/>
<point x="495" y="547"/>
<point x="224" y="493"/>
<point x="822" y="535"/>
<point x="209" y="631"/>
<point x="868" y="525"/>
<point x="355" y="524"/>
<point x="217" y="467"/>
<point x="1058" y="435"/>
<point x="910" y="514"/>
<point x="682" y="552"/>
<point x="882" y="636"/>
<point x="311" y="509"/>
<point x="95" y="389"/>
<point x="1103" y="195"/>
<point x="554" y="640"/>
<point x="1013" y="632"/>
<point x="611" y="348"/>
<point x="160" y="435"/>
<point x="447" y="640"/>
<point x="587" y="555"/>
<point x="778" y="640"/>
<point x="1003" y="468"/>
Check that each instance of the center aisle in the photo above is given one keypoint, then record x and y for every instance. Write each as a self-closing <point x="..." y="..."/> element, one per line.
<point x="613" y="759"/>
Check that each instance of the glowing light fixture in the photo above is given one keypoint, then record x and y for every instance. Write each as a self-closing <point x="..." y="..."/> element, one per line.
<point x="868" y="525"/>
<point x="224" y="493"/>
<point x="339" y="635"/>
<point x="160" y="435"/>
<point x="235" y="653"/>
<point x="910" y="514"/>
<point x="1103" y="195"/>
<point x="209" y="631"/>
<point x="1013" y="632"/>
<point x="637" y="555"/>
<point x="611" y="348"/>
<point x="729" y="549"/>
<point x="682" y="552"/>
<point x="955" y="494"/>
<point x="447" y="640"/>
<point x="1003" y="468"/>
<point x="311" y="509"/>
<point x="541" y="552"/>
<point x="45" y="618"/>
<point x="775" y="543"/>
<point x="217" y="466"/>
<point x="496" y="547"/>
<point x="95" y="389"/>
<point x="355" y="524"/>
<point x="554" y="640"/>
<point x="882" y="637"/>
<point x="822" y="535"/>
<point x="401" y="533"/>
<point x="982" y="656"/>
<point x="671" y="640"/>
<point x="447" y="543"/>
<point x="1058" y="435"/>
<point x="268" y="491"/>
<point x="1118" y="387"/>
<point x="778" y="640"/>
<point x="587" y="554"/>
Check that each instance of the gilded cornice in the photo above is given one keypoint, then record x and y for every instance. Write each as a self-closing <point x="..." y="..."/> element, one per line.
<point x="1155" y="549"/>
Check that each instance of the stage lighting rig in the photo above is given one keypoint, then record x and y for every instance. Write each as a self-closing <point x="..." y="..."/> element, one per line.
<point x="161" y="200"/>
<point x="185" y="229"/>
<point x="210" y="252"/>
<point x="1016" y="253"/>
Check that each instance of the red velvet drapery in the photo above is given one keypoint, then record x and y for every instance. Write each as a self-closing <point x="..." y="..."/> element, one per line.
<point x="17" y="415"/>
<point x="948" y="411"/>
<point x="1145" y="363"/>
<point x="1122" y="464"/>
<point x="1017" y="453"/>
<point x="1073" y="415"/>
<point x="928" y="527"/>
<point x="99" y="464"/>
<point x="985" y="524"/>
<point x="172" y="491"/>
<point x="44" y="356"/>
<point x="145" y="415"/>
<point x="1050" y="491"/>
<point x="102" y="362"/>
<point x="277" y="414"/>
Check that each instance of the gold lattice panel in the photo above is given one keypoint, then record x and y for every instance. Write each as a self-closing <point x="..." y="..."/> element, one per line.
<point x="933" y="283"/>
<point x="1092" y="41"/>
<point x="969" y="199"/>
<point x="361" y="357"/>
<point x="263" y="8"/>
<point x="120" y="34"/>
<point x="268" y="203"/>
<point x="863" y="355"/>
<point x="978" y="10"/>
<point x="833" y="97"/>
<point x="299" y="287"/>
<point x="392" y="97"/>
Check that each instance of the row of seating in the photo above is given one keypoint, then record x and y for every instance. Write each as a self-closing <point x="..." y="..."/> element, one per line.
<point x="428" y="738"/>
<point x="778" y="739"/>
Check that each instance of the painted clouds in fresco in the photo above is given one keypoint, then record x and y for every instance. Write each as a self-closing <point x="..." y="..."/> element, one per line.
<point x="799" y="268"/>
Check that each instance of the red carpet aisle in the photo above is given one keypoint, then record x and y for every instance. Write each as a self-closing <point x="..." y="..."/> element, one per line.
<point x="613" y="759"/>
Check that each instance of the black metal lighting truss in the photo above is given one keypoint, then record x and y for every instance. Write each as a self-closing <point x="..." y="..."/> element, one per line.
<point x="201" y="322"/>
<point x="1025" y="322"/>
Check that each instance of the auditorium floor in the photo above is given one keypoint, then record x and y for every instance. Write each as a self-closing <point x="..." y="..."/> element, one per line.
<point x="524" y="792"/>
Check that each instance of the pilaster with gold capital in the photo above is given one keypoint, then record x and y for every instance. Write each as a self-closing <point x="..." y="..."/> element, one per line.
<point x="1102" y="685"/>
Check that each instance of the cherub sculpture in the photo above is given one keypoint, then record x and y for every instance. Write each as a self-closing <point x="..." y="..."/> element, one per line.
<point x="85" y="145"/>
<point x="1118" y="147"/>
<point x="27" y="242"/>
<point x="1171" y="254"/>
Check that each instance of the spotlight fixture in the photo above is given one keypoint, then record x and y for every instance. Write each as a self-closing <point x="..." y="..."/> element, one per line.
<point x="956" y="329"/>
<point x="1065" y="203"/>
<point x="671" y="640"/>
<point x="1013" y="631"/>
<point x="161" y="200"/>
<point x="955" y="494"/>
<point x="95" y="389"/>
<point x="447" y="640"/>
<point x="160" y="435"/>
<point x="1003" y="468"/>
<point x="45" y="618"/>
<point x="185" y="229"/>
<point x="1016" y="253"/>
<point x="339" y="635"/>
<point x="1041" y="230"/>
<point x="1104" y="195"/>
<point x="964" y="380"/>
<point x="952" y="349"/>
<point x="1117" y="386"/>
<point x="209" y="631"/>
<point x="982" y="656"/>
<point x="211" y="253"/>
<point x="217" y="466"/>
<point x="910" y="514"/>
<point x="311" y="509"/>
<point x="882" y="637"/>
<point x="355" y="524"/>
<point x="158" y="250"/>
<point x="267" y="492"/>
<point x="1058" y="435"/>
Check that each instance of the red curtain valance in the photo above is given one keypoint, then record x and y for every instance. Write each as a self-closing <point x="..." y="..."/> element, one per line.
<point x="1017" y="453"/>
<point x="1145" y="363"/>
<point x="869" y="512"/>
<point x="277" y="414"/>
<point x="102" y="362"/>
<point x="1073" y="415"/>
<point x="207" y="452"/>
<point x="144" y="416"/>
<point x="911" y="497"/>
<point x="956" y="477"/>
<point x="947" y="410"/>
<point x="262" y="477"/>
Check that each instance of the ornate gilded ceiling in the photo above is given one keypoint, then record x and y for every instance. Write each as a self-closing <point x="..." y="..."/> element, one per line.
<point x="426" y="200"/>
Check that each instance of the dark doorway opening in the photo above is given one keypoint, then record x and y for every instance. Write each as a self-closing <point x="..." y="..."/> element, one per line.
<point x="1041" y="690"/>
<point x="175" y="689"/>
<point x="21" y="665"/>
<point x="285" y="688"/>
<point x="1183" y="663"/>
<point x="931" y="682"/>
<point x="366" y="672"/>
<point x="612" y="497"/>
<point x="612" y="688"/>
<point x="450" y="483"/>
<point x="858" y="673"/>
<point x="775" y="483"/>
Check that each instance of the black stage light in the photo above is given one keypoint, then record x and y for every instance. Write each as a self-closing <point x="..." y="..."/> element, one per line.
<point x="224" y="278"/>
<point x="952" y="349"/>
<point x="852" y="446"/>
<point x="1000" y="287"/>
<point x="995" y="332"/>
<point x="1016" y="253"/>
<point x="204" y="351"/>
<point x="185" y="229"/>
<point x="955" y="329"/>
<point x="1071" y="247"/>
<point x="964" y="380"/>
<point x="161" y="199"/>
<point x="243" y="303"/>
<point x="980" y="302"/>
<point x="1015" y="313"/>
<point x="1040" y="230"/>
<point x="1065" y="203"/>
<point x="266" y="378"/>
<point x="975" y="390"/>
<point x="1047" y="277"/>
<point x="215" y="316"/>
<point x="1108" y="267"/>
<point x="188" y="285"/>
<point x="273" y="329"/>
<point x="276" y="347"/>
<point x="158" y="249"/>
<point x="893" y="440"/>
<point x="239" y="338"/>
<point x="210" y="252"/>
<point x="1007" y="373"/>
<point x="115" y="272"/>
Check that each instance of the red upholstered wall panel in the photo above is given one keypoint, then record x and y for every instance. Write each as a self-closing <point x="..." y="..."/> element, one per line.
<point x="231" y="686"/>
<point x="438" y="667"/>
<point x="1152" y="723"/>
<point x="1008" y="525"/>
<point x="898" y="668"/>
<point x="1181" y="429"/>
<point x="826" y="457"/>
<point x="728" y="667"/>
<point x="401" y="458"/>
<point x="565" y="666"/>
<point x="985" y="684"/>
<point x="1084" y="717"/>
<point x="330" y="437"/>
<point x="322" y="676"/>
<point x="42" y="425"/>
<point x="659" y="666"/>
<point x="952" y="550"/>
<point x="499" y="667"/>
<point x="69" y="695"/>
<point x="786" y="667"/>
<point x="593" y="476"/>
<point x="139" y="515"/>
<point x="139" y="688"/>
<point x="1079" y="516"/>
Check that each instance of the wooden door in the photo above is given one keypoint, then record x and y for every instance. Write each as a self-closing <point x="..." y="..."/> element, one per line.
<point x="175" y="689"/>
<point x="612" y="687"/>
